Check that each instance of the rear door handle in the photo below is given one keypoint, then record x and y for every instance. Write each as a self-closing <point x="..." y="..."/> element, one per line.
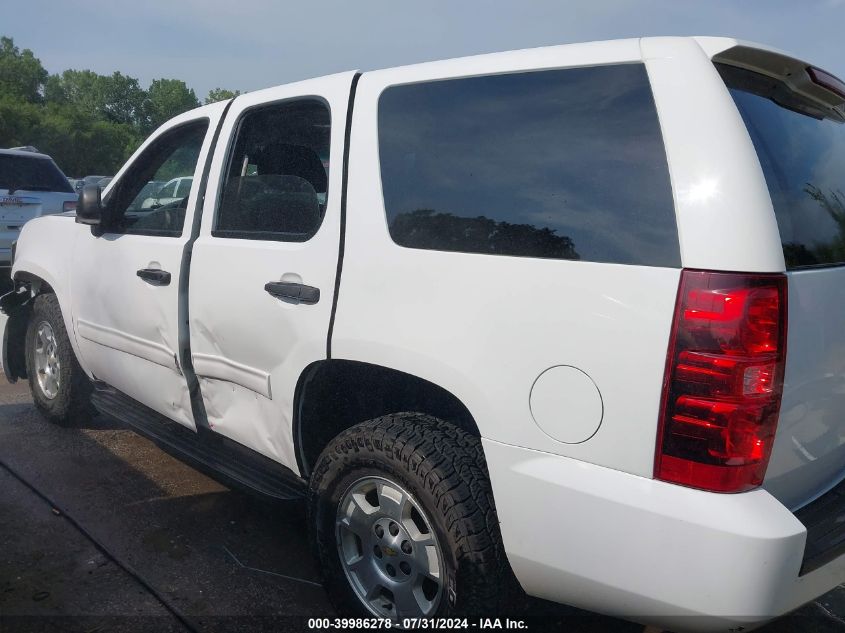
<point x="293" y="291"/>
<point x="154" y="276"/>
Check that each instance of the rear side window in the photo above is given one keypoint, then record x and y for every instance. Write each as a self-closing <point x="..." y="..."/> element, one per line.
<point x="563" y="164"/>
<point x="802" y="153"/>
<point x="24" y="173"/>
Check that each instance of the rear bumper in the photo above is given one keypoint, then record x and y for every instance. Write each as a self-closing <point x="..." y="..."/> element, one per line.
<point x="649" y="551"/>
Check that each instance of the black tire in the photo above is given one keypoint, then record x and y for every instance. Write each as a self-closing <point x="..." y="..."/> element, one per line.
<point x="72" y="402"/>
<point x="444" y="469"/>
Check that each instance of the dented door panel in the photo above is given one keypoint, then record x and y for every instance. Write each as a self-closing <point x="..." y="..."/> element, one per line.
<point x="127" y="326"/>
<point x="248" y="346"/>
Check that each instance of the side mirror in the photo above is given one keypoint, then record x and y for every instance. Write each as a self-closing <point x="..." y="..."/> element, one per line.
<point x="89" y="209"/>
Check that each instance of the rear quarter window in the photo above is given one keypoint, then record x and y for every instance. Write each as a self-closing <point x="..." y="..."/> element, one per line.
<point x="562" y="164"/>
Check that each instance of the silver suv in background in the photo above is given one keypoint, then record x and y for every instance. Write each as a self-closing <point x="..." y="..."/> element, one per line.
<point x="31" y="184"/>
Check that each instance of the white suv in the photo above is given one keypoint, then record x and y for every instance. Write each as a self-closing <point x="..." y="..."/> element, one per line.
<point x="510" y="321"/>
<point x="30" y="185"/>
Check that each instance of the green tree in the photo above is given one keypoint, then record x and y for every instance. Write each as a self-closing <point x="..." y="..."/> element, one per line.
<point x="84" y="89"/>
<point x="89" y="123"/>
<point x="82" y="144"/>
<point x="165" y="99"/>
<point x="115" y="97"/>
<point x="79" y="142"/>
<point x="18" y="120"/>
<point x="124" y="99"/>
<point x="21" y="73"/>
<point x="54" y="90"/>
<point x="220" y="94"/>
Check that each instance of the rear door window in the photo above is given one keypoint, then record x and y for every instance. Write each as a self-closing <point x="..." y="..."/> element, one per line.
<point x="802" y="152"/>
<point x="563" y="164"/>
<point x="278" y="173"/>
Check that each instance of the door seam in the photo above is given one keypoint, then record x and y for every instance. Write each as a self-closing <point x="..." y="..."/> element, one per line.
<point x="343" y="193"/>
<point x="183" y="312"/>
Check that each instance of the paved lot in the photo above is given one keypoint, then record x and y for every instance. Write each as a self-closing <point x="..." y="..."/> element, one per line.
<point x="221" y="559"/>
<point x="102" y="531"/>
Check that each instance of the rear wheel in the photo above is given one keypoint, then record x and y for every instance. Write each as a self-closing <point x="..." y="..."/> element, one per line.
<point x="388" y="549"/>
<point x="404" y="522"/>
<point x="60" y="389"/>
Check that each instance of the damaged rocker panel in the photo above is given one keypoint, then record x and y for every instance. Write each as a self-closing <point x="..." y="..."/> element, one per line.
<point x="226" y="460"/>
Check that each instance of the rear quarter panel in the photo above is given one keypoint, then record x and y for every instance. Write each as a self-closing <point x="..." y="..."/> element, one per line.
<point x="808" y="457"/>
<point x="485" y="327"/>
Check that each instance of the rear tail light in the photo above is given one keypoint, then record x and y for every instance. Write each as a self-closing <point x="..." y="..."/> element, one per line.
<point x="724" y="380"/>
<point x="69" y="205"/>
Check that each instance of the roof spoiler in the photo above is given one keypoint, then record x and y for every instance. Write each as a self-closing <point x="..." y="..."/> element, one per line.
<point x="812" y="83"/>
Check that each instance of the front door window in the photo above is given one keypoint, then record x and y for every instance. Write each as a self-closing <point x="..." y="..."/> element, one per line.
<point x="152" y="197"/>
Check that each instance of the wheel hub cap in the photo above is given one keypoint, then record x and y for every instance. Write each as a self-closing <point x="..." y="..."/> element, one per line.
<point x="388" y="550"/>
<point x="47" y="365"/>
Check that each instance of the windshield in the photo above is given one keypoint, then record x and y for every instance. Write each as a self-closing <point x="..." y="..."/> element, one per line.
<point x="31" y="174"/>
<point x="802" y="153"/>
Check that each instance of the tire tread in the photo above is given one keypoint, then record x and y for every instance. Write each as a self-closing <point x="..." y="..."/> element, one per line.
<point x="450" y="464"/>
<point x="74" y="399"/>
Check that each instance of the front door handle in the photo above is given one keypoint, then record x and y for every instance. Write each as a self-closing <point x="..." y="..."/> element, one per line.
<point x="293" y="291"/>
<point x="154" y="276"/>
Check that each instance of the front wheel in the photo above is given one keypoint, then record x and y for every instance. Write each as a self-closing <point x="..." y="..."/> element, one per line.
<point x="60" y="389"/>
<point x="404" y="522"/>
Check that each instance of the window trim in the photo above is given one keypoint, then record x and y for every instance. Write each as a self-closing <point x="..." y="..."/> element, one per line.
<point x="275" y="236"/>
<point x="109" y="230"/>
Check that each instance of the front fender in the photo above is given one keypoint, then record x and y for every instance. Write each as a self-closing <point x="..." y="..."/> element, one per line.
<point x="44" y="258"/>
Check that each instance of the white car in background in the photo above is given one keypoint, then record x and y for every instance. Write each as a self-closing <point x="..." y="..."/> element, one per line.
<point x="31" y="184"/>
<point x="173" y="190"/>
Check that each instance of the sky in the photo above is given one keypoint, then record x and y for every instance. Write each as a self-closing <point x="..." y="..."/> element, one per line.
<point x="251" y="44"/>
